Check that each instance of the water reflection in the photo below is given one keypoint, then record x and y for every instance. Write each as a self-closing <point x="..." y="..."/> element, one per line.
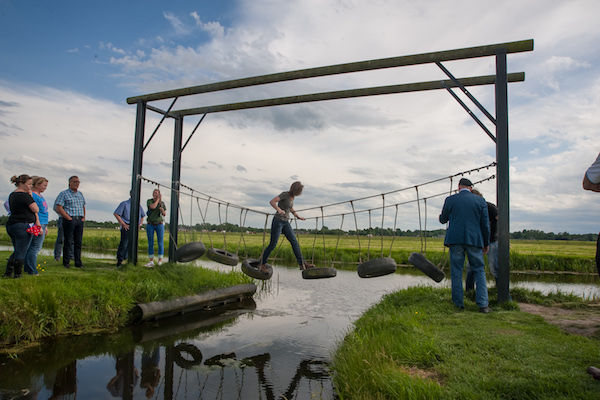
<point x="273" y="347"/>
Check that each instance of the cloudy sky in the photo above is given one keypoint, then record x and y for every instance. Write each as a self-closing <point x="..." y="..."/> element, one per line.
<point x="67" y="68"/>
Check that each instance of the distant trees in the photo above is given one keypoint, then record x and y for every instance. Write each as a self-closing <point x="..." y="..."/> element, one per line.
<point x="526" y="234"/>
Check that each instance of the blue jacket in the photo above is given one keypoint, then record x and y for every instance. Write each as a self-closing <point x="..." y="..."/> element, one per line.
<point x="468" y="216"/>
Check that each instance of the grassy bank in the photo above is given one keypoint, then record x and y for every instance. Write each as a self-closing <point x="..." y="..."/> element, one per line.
<point x="415" y="345"/>
<point x="525" y="255"/>
<point x="66" y="301"/>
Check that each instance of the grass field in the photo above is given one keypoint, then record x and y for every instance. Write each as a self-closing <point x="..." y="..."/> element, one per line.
<point x="537" y="255"/>
<point x="415" y="345"/>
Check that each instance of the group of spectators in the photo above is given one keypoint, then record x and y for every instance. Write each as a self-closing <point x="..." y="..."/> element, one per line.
<point x="28" y="217"/>
<point x="27" y="223"/>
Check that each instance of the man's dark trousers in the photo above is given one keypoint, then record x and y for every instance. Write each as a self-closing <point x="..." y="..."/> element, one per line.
<point x="73" y="231"/>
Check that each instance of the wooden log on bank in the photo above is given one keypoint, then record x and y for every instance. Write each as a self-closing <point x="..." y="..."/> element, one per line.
<point x="180" y="305"/>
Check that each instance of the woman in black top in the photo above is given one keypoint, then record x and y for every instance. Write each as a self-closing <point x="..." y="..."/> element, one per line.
<point x="23" y="212"/>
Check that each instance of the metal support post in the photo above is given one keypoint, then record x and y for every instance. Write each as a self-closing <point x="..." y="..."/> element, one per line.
<point x="175" y="185"/>
<point x="138" y="151"/>
<point x="502" y="180"/>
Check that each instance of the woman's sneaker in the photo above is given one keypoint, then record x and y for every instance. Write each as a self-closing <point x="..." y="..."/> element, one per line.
<point x="149" y="264"/>
<point x="307" y="265"/>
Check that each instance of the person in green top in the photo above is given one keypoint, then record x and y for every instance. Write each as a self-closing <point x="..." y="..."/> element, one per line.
<point x="284" y="205"/>
<point x="156" y="213"/>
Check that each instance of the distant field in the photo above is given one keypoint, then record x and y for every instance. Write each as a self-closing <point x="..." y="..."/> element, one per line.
<point x="552" y="255"/>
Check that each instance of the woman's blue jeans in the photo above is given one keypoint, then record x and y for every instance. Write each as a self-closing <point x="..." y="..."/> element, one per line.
<point x="34" y="248"/>
<point x="476" y="265"/>
<point x="160" y="238"/>
<point x="20" y="239"/>
<point x="277" y="227"/>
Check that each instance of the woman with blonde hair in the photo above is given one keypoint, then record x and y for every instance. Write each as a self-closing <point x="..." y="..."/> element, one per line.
<point x="39" y="186"/>
<point x="23" y="213"/>
<point x="284" y="206"/>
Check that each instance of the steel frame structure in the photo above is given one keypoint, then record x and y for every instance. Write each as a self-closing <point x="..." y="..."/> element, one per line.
<point x="500" y="80"/>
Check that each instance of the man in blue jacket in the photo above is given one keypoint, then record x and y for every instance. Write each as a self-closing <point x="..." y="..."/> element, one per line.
<point x="468" y="234"/>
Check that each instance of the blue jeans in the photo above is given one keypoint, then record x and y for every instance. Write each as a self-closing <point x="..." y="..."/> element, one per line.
<point x="20" y="239"/>
<point x="32" y="252"/>
<point x="278" y="226"/>
<point x="160" y="238"/>
<point x="476" y="265"/>
<point x="122" y="250"/>
<point x="492" y="264"/>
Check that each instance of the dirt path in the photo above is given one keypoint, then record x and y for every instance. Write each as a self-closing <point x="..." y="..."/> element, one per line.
<point x="584" y="321"/>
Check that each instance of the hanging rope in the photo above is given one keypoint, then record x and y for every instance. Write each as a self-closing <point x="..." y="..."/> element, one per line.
<point x="356" y="230"/>
<point x="394" y="232"/>
<point x="323" y="235"/>
<point x="420" y="226"/>
<point x="425" y="224"/>
<point x="338" y="240"/>
<point x="312" y="260"/>
<point x="382" y="219"/>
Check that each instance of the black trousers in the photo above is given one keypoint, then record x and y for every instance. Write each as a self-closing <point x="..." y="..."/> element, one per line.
<point x="73" y="231"/>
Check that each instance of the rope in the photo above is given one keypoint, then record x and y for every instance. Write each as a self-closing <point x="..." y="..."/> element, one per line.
<point x="356" y="230"/>
<point x="323" y="235"/>
<point x="382" y="219"/>
<point x="369" y="238"/>
<point x="420" y="226"/>
<point x="338" y="240"/>
<point x="394" y="231"/>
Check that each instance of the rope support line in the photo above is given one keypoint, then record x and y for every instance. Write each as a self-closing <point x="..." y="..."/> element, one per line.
<point x="219" y="202"/>
<point x="492" y="164"/>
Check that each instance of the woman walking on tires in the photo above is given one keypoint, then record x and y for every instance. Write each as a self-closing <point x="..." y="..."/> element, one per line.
<point x="284" y="205"/>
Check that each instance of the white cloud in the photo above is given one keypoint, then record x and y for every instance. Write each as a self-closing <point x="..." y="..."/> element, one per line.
<point x="177" y="25"/>
<point x="346" y="148"/>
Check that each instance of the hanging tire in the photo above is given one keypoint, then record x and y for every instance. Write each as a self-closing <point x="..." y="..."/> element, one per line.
<point x="222" y="256"/>
<point x="250" y="268"/>
<point x="319" y="273"/>
<point x="426" y="266"/>
<point x="377" y="267"/>
<point x="189" y="252"/>
<point x="184" y="362"/>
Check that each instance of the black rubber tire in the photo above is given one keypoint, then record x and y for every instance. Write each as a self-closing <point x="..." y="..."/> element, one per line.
<point x="250" y="268"/>
<point x="426" y="266"/>
<point x="189" y="252"/>
<point x="319" y="273"/>
<point x="193" y="351"/>
<point x="222" y="256"/>
<point x="377" y="267"/>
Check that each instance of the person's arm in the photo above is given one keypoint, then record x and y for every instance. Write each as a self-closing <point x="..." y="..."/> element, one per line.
<point x="155" y="204"/>
<point x="34" y="208"/>
<point x="588" y="185"/>
<point x="273" y="204"/>
<point x="162" y="209"/>
<point x="121" y="222"/>
<point x="61" y="211"/>
<point x="296" y="215"/>
<point x="83" y="219"/>
<point x="444" y="215"/>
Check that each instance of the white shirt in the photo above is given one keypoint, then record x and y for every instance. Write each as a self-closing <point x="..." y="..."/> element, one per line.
<point x="593" y="172"/>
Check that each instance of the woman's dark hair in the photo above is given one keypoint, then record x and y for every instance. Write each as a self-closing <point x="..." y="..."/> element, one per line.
<point x="296" y="188"/>
<point x="20" y="179"/>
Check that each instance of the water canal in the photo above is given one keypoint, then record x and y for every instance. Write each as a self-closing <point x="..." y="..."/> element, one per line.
<point x="277" y="346"/>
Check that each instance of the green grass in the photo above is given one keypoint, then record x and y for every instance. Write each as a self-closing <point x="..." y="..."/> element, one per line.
<point x="65" y="301"/>
<point x="415" y="345"/>
<point x="525" y="255"/>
